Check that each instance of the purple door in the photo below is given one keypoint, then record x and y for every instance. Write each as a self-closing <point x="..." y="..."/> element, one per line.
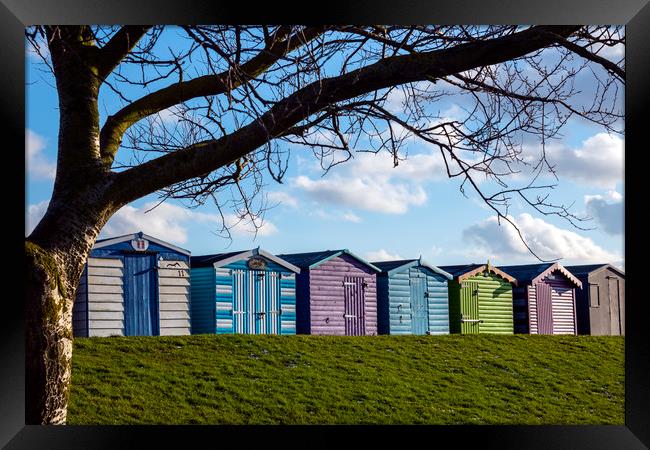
<point x="354" y="306"/>
<point x="544" y="308"/>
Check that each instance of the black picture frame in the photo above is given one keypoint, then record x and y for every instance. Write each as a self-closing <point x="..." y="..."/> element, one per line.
<point x="635" y="14"/>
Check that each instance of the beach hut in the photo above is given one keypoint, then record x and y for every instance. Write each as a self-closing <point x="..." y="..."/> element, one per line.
<point x="600" y="304"/>
<point x="244" y="292"/>
<point x="133" y="285"/>
<point x="412" y="298"/>
<point x="336" y="293"/>
<point x="544" y="300"/>
<point x="480" y="299"/>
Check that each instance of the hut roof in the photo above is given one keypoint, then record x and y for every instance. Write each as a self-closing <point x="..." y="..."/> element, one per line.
<point x="391" y="266"/>
<point x="100" y="243"/>
<point x="586" y="269"/>
<point x="530" y="273"/>
<point x="464" y="271"/>
<point x="222" y="259"/>
<point x="310" y="260"/>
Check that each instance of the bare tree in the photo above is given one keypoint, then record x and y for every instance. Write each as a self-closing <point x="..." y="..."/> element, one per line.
<point x="241" y="96"/>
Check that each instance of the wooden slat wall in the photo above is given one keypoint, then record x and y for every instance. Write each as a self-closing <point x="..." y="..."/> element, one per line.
<point x="174" y="298"/>
<point x="105" y="297"/>
<point x="562" y="295"/>
<point x="532" y="310"/>
<point x="327" y="307"/>
<point x="79" y="309"/>
<point x="495" y="304"/>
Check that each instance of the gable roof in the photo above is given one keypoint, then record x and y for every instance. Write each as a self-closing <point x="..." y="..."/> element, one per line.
<point x="311" y="260"/>
<point x="531" y="273"/>
<point x="390" y="267"/>
<point x="463" y="271"/>
<point x="222" y="259"/>
<point x="100" y="243"/>
<point x="586" y="269"/>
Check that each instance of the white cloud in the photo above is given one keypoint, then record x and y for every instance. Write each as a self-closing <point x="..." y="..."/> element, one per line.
<point x="597" y="162"/>
<point x="37" y="163"/>
<point x="398" y="96"/>
<point x="282" y="198"/>
<point x="502" y="243"/>
<point x="351" y="217"/>
<point x="335" y="215"/>
<point x="170" y="222"/>
<point x="614" y="52"/>
<point x="371" y="182"/>
<point x="381" y="255"/>
<point x="363" y="193"/>
<point x="607" y="210"/>
<point x="34" y="214"/>
<point x="167" y="222"/>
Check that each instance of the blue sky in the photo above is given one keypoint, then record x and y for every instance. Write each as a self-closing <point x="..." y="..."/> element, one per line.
<point x="366" y="205"/>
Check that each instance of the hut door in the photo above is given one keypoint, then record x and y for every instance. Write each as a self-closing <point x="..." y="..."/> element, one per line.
<point x="354" y="306"/>
<point x="269" y="302"/>
<point x="258" y="308"/>
<point x="241" y="299"/>
<point x="469" y="318"/>
<point x="614" y="306"/>
<point x="544" y="308"/>
<point x="140" y="296"/>
<point x="420" y="311"/>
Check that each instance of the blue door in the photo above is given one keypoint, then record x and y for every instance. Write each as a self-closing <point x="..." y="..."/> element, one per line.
<point x="140" y="296"/>
<point x="256" y="307"/>
<point x="419" y="304"/>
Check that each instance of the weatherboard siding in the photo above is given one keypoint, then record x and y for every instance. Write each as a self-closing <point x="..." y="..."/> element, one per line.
<point x="174" y="307"/>
<point x="202" y="307"/>
<point x="562" y="307"/>
<point x="604" y="314"/>
<point x="225" y="300"/>
<point x="563" y="301"/>
<point x="115" y="273"/>
<point x="105" y="291"/>
<point x="394" y="301"/>
<point x="80" y="308"/>
<point x="492" y="304"/>
<point x="326" y="296"/>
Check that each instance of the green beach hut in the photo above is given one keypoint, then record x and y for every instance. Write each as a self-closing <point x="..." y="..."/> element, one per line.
<point x="480" y="299"/>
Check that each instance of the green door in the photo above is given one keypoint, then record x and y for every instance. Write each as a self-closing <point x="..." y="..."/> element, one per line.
<point x="469" y="319"/>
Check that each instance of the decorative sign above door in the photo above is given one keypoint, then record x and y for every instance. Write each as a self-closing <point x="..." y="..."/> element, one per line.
<point x="140" y="244"/>
<point x="256" y="263"/>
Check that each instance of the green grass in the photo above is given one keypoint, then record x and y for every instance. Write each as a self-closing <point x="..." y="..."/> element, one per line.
<point x="239" y="379"/>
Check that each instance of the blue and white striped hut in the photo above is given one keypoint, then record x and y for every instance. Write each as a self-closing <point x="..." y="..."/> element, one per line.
<point x="412" y="298"/>
<point x="133" y="285"/>
<point x="247" y="292"/>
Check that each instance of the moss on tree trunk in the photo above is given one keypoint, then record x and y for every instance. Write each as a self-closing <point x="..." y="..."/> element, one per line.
<point x="48" y="338"/>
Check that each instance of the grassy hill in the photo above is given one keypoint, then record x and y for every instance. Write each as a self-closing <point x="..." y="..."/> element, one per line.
<point x="239" y="379"/>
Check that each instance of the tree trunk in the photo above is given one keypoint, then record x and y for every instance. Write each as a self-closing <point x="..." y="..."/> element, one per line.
<point x="48" y="337"/>
<point x="55" y="255"/>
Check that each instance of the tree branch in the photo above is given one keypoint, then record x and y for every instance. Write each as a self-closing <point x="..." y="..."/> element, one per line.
<point x="117" y="124"/>
<point x="207" y="156"/>
<point x="119" y="47"/>
<point x="607" y="64"/>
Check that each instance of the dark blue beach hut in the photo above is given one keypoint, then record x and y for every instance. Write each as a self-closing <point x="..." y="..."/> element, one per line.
<point x="133" y="285"/>
<point x="244" y="292"/>
<point x="412" y="298"/>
